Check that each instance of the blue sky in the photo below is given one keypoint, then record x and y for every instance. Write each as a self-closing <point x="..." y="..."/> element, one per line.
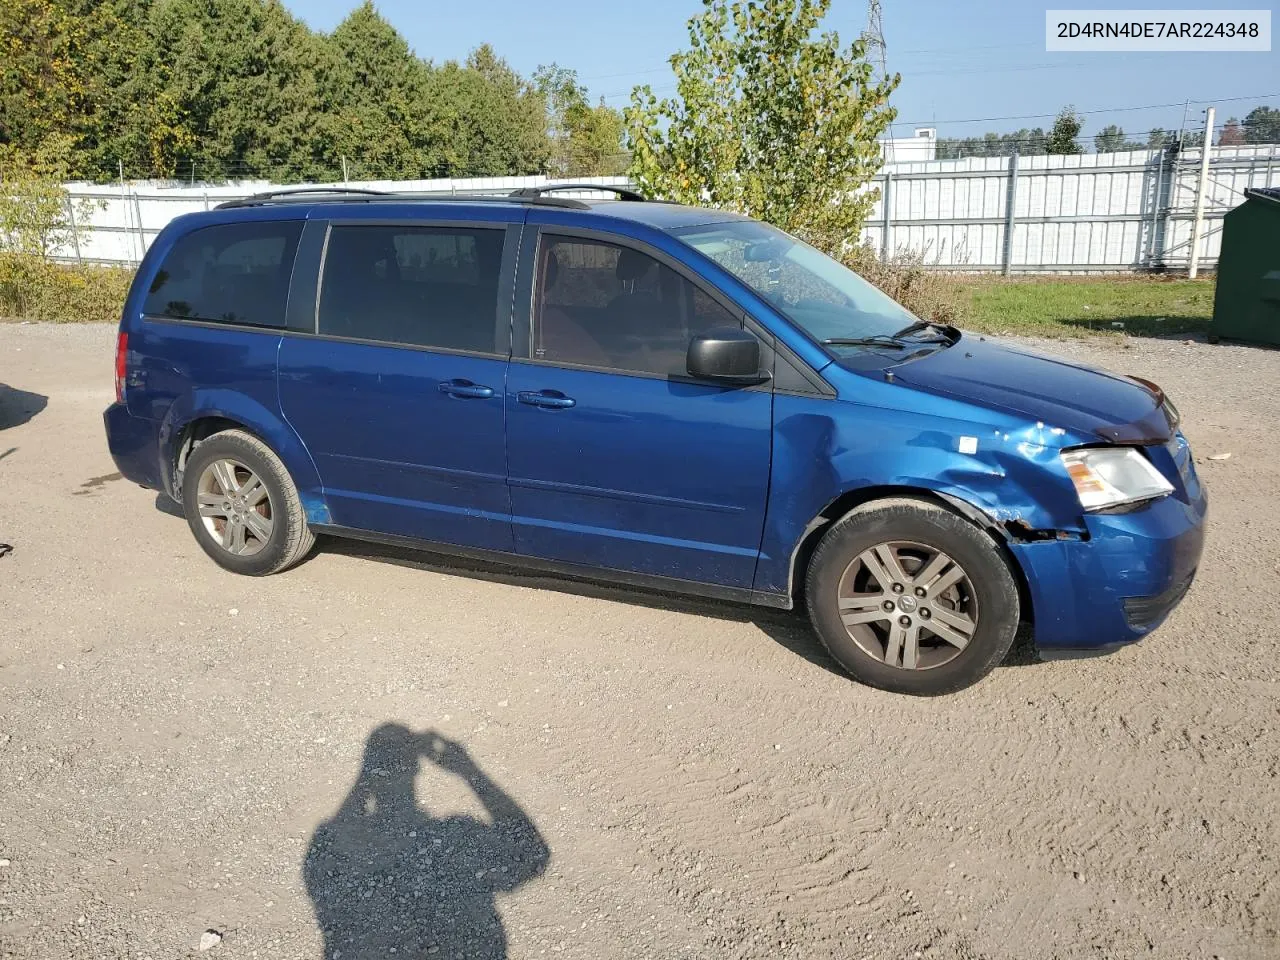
<point x="960" y="59"/>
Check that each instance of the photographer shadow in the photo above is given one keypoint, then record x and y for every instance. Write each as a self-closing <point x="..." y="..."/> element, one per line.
<point x="388" y="879"/>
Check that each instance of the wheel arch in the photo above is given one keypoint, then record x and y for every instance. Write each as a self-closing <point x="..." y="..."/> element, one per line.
<point x="850" y="500"/>
<point x="188" y="424"/>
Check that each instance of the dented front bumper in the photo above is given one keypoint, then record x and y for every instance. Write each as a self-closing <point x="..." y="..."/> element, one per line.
<point x="1117" y="583"/>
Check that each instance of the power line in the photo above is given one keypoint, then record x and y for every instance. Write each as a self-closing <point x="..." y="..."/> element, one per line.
<point x="1041" y="116"/>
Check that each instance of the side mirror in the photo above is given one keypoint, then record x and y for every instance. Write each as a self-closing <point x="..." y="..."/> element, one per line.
<point x="727" y="354"/>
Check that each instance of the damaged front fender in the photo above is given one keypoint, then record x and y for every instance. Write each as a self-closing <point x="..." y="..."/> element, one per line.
<point x="1003" y="474"/>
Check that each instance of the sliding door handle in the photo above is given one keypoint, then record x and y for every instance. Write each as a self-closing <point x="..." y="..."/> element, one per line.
<point x="551" y="399"/>
<point x="465" y="388"/>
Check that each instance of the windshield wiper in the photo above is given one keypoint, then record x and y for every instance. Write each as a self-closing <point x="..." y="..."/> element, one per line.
<point x="879" y="340"/>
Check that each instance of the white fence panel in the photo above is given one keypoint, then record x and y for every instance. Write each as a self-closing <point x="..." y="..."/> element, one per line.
<point x="1086" y="213"/>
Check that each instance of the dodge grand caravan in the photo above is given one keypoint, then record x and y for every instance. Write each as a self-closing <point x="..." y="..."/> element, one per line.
<point x="674" y="398"/>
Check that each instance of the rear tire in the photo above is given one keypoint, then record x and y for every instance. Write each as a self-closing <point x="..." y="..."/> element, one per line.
<point x="909" y="597"/>
<point x="242" y="506"/>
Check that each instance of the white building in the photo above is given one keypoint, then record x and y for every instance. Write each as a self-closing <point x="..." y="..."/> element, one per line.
<point x="921" y="145"/>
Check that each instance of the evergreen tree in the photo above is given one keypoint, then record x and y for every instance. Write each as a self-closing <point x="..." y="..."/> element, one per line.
<point x="1111" y="139"/>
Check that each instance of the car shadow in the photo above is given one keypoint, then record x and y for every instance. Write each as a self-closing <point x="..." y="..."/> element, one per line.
<point x="19" y="406"/>
<point x="388" y="879"/>
<point x="788" y="628"/>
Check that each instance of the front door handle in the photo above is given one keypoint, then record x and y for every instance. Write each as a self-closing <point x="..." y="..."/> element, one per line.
<point x="465" y="388"/>
<point x="551" y="399"/>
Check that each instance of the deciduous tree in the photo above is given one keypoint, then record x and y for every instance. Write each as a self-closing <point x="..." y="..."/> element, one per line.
<point x="771" y="117"/>
<point x="586" y="141"/>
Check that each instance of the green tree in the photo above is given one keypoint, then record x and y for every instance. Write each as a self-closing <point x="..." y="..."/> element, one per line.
<point x="1111" y="139"/>
<point x="36" y="213"/>
<point x="1062" y="138"/>
<point x="135" y="121"/>
<point x="237" y="88"/>
<point x="378" y="105"/>
<point x="42" y="82"/>
<point x="1026" y="142"/>
<point x="585" y="141"/>
<point x="225" y="89"/>
<point x="1262" y="125"/>
<point x="499" y="123"/>
<point x="770" y="118"/>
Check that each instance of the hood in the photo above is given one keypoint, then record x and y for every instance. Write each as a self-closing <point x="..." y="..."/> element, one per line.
<point x="1060" y="394"/>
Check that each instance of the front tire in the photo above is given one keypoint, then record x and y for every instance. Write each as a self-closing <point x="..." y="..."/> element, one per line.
<point x="909" y="597"/>
<point x="242" y="506"/>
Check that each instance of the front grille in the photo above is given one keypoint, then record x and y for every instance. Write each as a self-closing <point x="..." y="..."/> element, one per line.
<point x="1142" y="612"/>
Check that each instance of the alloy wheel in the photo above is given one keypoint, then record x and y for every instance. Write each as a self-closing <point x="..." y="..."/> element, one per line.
<point x="234" y="507"/>
<point x="908" y="604"/>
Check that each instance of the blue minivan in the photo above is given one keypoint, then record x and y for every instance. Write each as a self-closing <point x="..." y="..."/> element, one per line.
<point x="674" y="398"/>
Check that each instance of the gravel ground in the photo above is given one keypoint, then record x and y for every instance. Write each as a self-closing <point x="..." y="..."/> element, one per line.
<point x="378" y="754"/>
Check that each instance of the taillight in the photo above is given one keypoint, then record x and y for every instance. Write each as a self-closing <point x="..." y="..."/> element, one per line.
<point x="122" y="354"/>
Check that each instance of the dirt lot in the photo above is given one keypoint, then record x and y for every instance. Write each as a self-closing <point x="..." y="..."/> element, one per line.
<point x="181" y="750"/>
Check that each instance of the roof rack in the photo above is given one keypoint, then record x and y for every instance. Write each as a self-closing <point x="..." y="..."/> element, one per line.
<point x="537" y="193"/>
<point x="355" y="195"/>
<point x="337" y="192"/>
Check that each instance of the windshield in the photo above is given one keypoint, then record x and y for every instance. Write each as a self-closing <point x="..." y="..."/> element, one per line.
<point x="821" y="296"/>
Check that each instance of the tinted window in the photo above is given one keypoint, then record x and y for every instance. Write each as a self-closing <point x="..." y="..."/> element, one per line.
<point x="234" y="273"/>
<point x="425" y="286"/>
<point x="604" y="305"/>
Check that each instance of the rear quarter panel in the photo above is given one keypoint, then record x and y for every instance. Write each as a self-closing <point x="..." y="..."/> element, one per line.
<point x="190" y="370"/>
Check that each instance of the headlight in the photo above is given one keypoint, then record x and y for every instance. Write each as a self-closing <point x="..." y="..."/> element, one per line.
<point x="1113" y="476"/>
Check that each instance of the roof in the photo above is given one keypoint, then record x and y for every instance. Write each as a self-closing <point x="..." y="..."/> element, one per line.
<point x="628" y="206"/>
<point x="664" y="216"/>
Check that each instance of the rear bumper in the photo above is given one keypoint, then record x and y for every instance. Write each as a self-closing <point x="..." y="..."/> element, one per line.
<point x="1118" y="585"/>
<point x="134" y="446"/>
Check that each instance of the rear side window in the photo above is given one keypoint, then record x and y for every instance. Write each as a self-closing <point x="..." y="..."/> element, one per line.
<point x="421" y="286"/>
<point x="603" y="305"/>
<point x="233" y="273"/>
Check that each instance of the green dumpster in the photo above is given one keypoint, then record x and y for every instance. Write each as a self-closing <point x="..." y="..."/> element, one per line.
<point x="1246" y="305"/>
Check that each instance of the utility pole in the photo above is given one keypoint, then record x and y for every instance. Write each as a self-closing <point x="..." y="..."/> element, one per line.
<point x="1197" y="225"/>
<point x="873" y="36"/>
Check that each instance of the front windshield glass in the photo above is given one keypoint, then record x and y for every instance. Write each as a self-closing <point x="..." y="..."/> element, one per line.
<point x="823" y="297"/>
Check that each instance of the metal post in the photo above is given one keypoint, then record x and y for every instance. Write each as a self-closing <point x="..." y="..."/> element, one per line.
<point x="1010" y="221"/>
<point x="206" y="199"/>
<point x="1197" y="225"/>
<point x="886" y="198"/>
<point x="344" y="173"/>
<point x="124" y="201"/>
<point x="1155" y="207"/>
<point x="75" y="231"/>
<point x="142" y="237"/>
